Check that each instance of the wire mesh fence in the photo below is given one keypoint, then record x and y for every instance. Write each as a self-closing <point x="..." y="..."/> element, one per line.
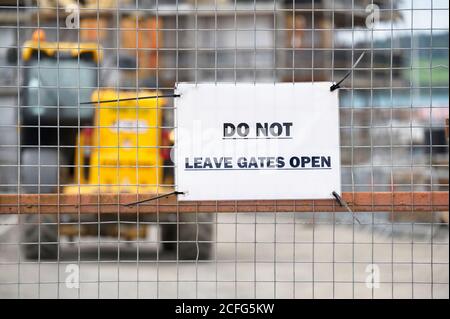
<point x="70" y="166"/>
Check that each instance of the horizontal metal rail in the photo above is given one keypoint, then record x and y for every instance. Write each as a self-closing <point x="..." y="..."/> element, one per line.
<point x="117" y="203"/>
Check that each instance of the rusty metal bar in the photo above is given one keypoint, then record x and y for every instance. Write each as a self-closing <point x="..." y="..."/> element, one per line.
<point x="115" y="203"/>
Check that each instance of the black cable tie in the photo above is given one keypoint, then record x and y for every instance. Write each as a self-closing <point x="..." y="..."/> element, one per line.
<point x="338" y="198"/>
<point x="337" y="85"/>
<point x="133" y="98"/>
<point x="153" y="198"/>
<point x="343" y="203"/>
<point x="334" y="87"/>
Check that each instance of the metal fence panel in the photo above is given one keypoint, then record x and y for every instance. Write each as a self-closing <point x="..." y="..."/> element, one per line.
<point x="69" y="166"/>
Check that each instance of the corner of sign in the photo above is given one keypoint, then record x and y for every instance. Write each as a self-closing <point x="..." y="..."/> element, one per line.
<point x="175" y="88"/>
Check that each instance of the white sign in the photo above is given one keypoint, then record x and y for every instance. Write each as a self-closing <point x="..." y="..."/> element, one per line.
<point x="257" y="141"/>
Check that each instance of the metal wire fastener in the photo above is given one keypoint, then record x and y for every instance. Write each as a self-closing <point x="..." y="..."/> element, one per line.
<point x="153" y="198"/>
<point x="132" y="98"/>
<point x="343" y="203"/>
<point x="337" y="85"/>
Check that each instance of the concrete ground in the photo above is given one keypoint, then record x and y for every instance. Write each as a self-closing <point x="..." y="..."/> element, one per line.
<point x="262" y="256"/>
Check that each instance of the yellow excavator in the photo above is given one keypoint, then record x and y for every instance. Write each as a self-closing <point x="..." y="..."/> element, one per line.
<point x="71" y="147"/>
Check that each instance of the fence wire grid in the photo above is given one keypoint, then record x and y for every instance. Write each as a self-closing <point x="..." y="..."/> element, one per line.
<point x="66" y="171"/>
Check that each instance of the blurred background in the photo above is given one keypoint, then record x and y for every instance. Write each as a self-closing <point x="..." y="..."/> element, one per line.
<point x="400" y="88"/>
<point x="393" y="119"/>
